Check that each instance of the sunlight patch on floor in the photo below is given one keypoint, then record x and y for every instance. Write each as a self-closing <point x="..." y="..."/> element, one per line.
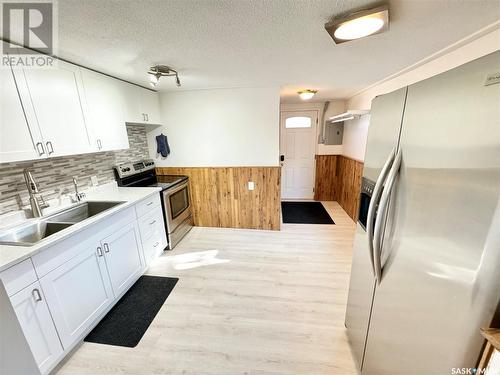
<point x="194" y="260"/>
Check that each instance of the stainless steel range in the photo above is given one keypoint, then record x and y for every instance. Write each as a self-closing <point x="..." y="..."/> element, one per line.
<point x="174" y="195"/>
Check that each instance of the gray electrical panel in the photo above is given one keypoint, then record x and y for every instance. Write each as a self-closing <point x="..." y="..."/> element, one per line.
<point x="334" y="133"/>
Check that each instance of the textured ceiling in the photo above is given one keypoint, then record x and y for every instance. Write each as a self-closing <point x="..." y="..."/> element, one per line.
<point x="256" y="43"/>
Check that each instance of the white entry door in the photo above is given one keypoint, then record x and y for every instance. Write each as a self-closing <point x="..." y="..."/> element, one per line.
<point x="297" y="146"/>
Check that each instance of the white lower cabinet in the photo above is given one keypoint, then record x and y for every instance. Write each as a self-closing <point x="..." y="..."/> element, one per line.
<point x="122" y="251"/>
<point x="60" y="293"/>
<point x="78" y="292"/>
<point x="153" y="235"/>
<point x="35" y="320"/>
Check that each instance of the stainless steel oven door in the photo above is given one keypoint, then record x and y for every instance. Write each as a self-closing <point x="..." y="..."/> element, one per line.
<point x="176" y="203"/>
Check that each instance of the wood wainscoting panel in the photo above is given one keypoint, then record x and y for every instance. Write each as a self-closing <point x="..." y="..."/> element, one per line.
<point x="326" y="177"/>
<point x="220" y="196"/>
<point x="338" y="178"/>
<point x="348" y="189"/>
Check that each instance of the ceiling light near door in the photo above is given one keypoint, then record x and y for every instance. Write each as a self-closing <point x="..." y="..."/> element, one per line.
<point x="359" y="24"/>
<point x="306" y="94"/>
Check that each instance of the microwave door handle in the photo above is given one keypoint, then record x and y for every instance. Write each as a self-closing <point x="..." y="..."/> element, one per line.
<point x="377" y="190"/>
<point x="382" y="214"/>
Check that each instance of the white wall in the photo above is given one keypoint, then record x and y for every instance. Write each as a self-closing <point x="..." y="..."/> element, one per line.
<point x="355" y="136"/>
<point x="219" y="127"/>
<point x="480" y="44"/>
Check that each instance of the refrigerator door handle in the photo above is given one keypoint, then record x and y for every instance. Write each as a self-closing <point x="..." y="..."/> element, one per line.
<point x="377" y="190"/>
<point x="382" y="212"/>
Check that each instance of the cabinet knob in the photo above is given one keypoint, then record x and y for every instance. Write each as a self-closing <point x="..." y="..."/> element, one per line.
<point x="36" y="295"/>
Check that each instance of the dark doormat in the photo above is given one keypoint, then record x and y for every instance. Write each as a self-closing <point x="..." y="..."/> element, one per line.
<point x="128" y="320"/>
<point x="305" y="213"/>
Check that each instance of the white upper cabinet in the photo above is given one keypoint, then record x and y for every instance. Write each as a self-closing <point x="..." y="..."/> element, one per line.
<point x="133" y="111"/>
<point x="18" y="141"/>
<point x="68" y="110"/>
<point x="150" y="106"/>
<point x="52" y="98"/>
<point x="105" y="105"/>
<point x="143" y="106"/>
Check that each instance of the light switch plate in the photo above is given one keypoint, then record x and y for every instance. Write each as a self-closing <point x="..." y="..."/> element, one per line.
<point x="251" y="185"/>
<point x="94" y="180"/>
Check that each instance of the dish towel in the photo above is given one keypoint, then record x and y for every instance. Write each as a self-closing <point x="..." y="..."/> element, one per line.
<point x="162" y="145"/>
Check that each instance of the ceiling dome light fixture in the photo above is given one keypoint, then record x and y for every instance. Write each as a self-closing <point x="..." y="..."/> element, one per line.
<point x="306" y="94"/>
<point x="158" y="71"/>
<point x="359" y="24"/>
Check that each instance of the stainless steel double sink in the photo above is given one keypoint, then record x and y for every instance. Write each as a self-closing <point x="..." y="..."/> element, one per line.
<point x="36" y="230"/>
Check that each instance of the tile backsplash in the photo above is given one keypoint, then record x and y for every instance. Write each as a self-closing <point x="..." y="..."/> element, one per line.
<point x="55" y="176"/>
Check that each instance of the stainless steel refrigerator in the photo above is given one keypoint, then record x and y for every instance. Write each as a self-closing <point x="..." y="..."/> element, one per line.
<point x="426" y="259"/>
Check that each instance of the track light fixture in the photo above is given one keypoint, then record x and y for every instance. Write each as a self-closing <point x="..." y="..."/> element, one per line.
<point x="158" y="71"/>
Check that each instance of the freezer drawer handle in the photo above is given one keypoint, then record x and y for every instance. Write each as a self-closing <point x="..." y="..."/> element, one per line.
<point x="377" y="190"/>
<point x="382" y="213"/>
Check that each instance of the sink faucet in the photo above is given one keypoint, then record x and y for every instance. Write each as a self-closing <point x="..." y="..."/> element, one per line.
<point x="36" y="208"/>
<point x="78" y="196"/>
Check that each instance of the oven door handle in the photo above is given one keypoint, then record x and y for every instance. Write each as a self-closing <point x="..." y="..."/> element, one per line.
<point x="175" y="189"/>
<point x="377" y="191"/>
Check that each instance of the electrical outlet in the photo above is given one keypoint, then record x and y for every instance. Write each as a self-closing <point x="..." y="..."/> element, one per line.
<point x="94" y="180"/>
<point x="251" y="185"/>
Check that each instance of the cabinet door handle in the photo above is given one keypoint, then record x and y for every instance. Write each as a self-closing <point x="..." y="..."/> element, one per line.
<point x="36" y="295"/>
<point x="40" y="149"/>
<point x="106" y="248"/>
<point x="154" y="221"/>
<point x="144" y="117"/>
<point x="156" y="244"/>
<point x="149" y="204"/>
<point x="147" y="117"/>
<point x="50" y="149"/>
<point x="99" y="251"/>
<point x="99" y="144"/>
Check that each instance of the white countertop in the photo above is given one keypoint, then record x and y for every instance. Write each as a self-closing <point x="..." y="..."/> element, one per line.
<point x="10" y="255"/>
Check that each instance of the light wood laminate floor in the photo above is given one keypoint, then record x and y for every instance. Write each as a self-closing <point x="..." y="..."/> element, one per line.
<point x="247" y="302"/>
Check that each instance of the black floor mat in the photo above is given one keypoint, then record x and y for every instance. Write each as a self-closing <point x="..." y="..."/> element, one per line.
<point x="305" y="213"/>
<point x="128" y="320"/>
